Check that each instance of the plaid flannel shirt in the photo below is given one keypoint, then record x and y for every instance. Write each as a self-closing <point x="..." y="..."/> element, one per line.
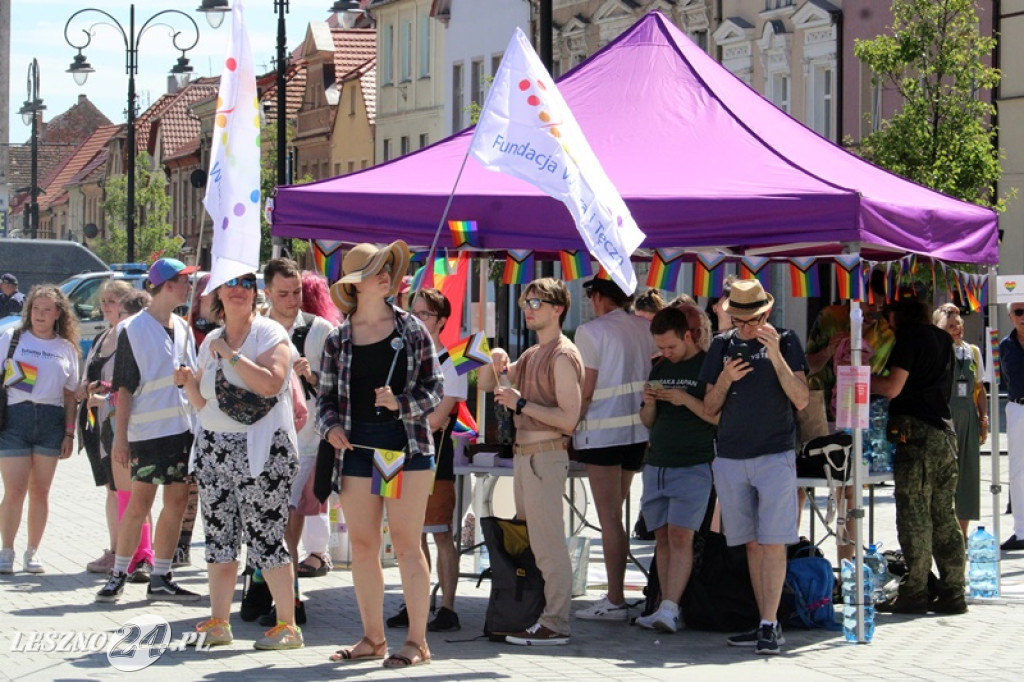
<point x="422" y="392"/>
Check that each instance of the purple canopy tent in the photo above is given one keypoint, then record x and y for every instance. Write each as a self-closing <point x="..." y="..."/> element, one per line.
<point x="701" y="160"/>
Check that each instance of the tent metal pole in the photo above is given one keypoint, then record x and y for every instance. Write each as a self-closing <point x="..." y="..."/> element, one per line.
<point x="857" y="513"/>
<point x="993" y="415"/>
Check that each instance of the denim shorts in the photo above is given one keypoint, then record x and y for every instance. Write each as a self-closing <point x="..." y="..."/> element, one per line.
<point x="32" y="429"/>
<point x="358" y="462"/>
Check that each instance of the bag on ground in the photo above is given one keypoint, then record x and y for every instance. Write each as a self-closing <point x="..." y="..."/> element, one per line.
<point x="718" y="596"/>
<point x="807" y="593"/>
<point x="517" y="587"/>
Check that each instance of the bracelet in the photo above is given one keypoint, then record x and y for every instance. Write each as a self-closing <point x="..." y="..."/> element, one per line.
<point x="235" y="357"/>
<point x="69" y="427"/>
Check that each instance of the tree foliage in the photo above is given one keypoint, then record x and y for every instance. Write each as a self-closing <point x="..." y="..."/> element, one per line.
<point x="941" y="138"/>
<point x="268" y="183"/>
<point x="153" y="231"/>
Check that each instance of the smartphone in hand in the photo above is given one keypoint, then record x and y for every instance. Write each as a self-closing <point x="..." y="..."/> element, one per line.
<point x="655" y="385"/>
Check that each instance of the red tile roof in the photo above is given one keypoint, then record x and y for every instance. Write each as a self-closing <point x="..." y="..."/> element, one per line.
<point x="74" y="125"/>
<point x="175" y="123"/>
<point x="54" y="184"/>
<point x="353" y="48"/>
<point x="295" y="90"/>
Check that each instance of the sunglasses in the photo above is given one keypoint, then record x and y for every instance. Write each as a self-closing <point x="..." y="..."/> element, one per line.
<point x="535" y="303"/>
<point x="1017" y="312"/>
<point x="246" y="283"/>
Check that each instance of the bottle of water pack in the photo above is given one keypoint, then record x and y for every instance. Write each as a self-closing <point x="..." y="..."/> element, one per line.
<point x="848" y="573"/>
<point x="875" y="561"/>
<point x="877" y="448"/>
<point x="983" y="554"/>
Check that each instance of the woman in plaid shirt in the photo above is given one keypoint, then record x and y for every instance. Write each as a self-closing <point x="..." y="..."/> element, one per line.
<point x="379" y="380"/>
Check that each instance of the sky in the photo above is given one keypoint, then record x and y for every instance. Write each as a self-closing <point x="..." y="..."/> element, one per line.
<point x="37" y="30"/>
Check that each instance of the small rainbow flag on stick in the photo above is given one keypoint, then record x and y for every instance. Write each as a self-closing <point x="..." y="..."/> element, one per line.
<point x="464" y="233"/>
<point x="759" y="268"/>
<point x="465" y="425"/>
<point x="993" y="344"/>
<point x="470" y="353"/>
<point x="518" y="267"/>
<point x="665" y="267"/>
<point x="387" y="473"/>
<point x="849" y="284"/>
<point x="708" y="274"/>
<point x="803" y="276"/>
<point x="576" y="264"/>
<point x="91" y="421"/>
<point x="327" y="257"/>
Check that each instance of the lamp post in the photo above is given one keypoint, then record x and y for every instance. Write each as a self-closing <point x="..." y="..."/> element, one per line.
<point x="30" y="112"/>
<point x="80" y="70"/>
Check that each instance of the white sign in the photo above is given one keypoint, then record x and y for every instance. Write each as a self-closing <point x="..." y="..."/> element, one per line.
<point x="1010" y="289"/>
<point x="852" y="388"/>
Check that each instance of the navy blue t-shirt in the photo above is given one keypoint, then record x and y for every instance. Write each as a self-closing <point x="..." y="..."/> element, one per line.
<point x="757" y="417"/>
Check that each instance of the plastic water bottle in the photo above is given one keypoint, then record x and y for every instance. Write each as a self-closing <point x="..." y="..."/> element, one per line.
<point x="983" y="554"/>
<point x="877" y="448"/>
<point x="879" y="567"/>
<point x="850" y="605"/>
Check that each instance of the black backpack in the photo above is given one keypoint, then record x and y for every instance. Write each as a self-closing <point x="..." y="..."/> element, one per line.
<point x="517" y="586"/>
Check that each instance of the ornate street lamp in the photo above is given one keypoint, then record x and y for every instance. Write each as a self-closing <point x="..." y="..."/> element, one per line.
<point x="80" y="70"/>
<point x="30" y="112"/>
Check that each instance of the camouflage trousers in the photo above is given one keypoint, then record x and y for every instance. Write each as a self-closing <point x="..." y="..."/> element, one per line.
<point x="925" y="477"/>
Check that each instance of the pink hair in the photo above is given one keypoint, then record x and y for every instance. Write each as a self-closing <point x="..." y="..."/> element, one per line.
<point x="316" y="297"/>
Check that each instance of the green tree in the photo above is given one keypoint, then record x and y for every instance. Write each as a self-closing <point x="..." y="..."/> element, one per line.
<point x="941" y="137"/>
<point x="153" y="231"/>
<point x="268" y="182"/>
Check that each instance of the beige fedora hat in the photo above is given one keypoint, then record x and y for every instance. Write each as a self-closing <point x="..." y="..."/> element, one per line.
<point x="364" y="261"/>
<point x="747" y="297"/>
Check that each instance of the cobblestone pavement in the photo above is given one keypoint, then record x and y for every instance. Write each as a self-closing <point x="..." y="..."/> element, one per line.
<point x="978" y="645"/>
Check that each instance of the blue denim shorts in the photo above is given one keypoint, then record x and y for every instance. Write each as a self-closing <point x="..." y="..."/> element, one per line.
<point x="32" y="429"/>
<point x="391" y="435"/>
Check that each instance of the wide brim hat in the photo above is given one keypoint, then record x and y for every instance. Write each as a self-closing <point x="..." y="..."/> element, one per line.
<point x="364" y="261"/>
<point x="747" y="297"/>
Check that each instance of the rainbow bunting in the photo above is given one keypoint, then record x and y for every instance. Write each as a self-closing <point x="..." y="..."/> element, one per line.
<point x="576" y="264"/>
<point x="971" y="291"/>
<point x="708" y="275"/>
<point x="803" y="277"/>
<point x="993" y="344"/>
<point x="849" y="284"/>
<point x="21" y="375"/>
<point x="387" y="473"/>
<point x="327" y="258"/>
<point x="757" y="267"/>
<point x="983" y="290"/>
<point x="464" y="233"/>
<point x="470" y="353"/>
<point x="665" y="267"/>
<point x="518" y="267"/>
<point x="465" y="425"/>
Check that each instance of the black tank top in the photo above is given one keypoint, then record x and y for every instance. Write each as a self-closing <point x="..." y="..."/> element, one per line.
<point x="370" y="365"/>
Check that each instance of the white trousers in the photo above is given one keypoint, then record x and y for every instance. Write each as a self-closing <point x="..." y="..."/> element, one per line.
<point x="1015" y="450"/>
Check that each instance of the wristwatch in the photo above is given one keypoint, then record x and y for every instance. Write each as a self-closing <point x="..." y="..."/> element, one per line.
<point x="520" y="404"/>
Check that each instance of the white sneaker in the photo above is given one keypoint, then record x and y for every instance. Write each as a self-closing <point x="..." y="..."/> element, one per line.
<point x="604" y="610"/>
<point x="32" y="562"/>
<point x="663" y="620"/>
<point x="7" y="560"/>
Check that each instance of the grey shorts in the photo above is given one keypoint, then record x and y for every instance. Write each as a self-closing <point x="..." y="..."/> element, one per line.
<point x="758" y="498"/>
<point x="676" y="495"/>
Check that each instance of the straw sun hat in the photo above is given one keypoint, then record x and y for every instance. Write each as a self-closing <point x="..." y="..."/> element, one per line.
<point x="747" y="297"/>
<point x="364" y="261"/>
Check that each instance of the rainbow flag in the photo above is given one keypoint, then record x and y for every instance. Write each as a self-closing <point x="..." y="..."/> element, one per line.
<point x="443" y="267"/>
<point x="21" y="375"/>
<point x="470" y="353"/>
<point x="759" y="268"/>
<point x="993" y="344"/>
<point x="972" y="289"/>
<point x="576" y="264"/>
<point x="464" y="233"/>
<point x="849" y="284"/>
<point x="465" y="425"/>
<point x="708" y="274"/>
<point x="387" y="473"/>
<point x="518" y="267"/>
<point x="91" y="418"/>
<point x="665" y="267"/>
<point x="803" y="277"/>
<point x="327" y="258"/>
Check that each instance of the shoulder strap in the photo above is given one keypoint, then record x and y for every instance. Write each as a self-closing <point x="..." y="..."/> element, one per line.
<point x="300" y="334"/>
<point x="10" y="353"/>
<point x="442" y="356"/>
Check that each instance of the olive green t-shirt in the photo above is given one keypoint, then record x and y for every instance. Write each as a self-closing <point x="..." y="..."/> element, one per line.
<point x="679" y="438"/>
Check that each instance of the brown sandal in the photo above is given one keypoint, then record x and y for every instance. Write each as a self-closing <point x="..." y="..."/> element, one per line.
<point x="422" y="657"/>
<point x="377" y="651"/>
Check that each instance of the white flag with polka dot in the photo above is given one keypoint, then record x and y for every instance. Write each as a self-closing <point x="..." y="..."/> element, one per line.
<point x="233" y="185"/>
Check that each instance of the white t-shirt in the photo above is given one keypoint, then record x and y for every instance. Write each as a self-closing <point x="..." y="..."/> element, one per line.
<point x="455" y="385"/>
<point x="40" y="370"/>
<point x="319" y="328"/>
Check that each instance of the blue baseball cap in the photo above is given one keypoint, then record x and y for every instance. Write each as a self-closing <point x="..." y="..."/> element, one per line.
<point x="168" y="268"/>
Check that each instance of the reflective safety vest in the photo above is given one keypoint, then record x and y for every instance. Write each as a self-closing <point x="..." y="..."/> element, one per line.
<point x="159" y="407"/>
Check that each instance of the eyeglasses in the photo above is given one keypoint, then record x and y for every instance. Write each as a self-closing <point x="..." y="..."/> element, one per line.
<point x="752" y="322"/>
<point x="1017" y="312"/>
<point x="535" y="303"/>
<point x="245" y="282"/>
<point x="425" y="314"/>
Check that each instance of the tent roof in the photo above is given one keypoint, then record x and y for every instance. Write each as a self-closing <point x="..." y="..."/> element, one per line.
<point x="702" y="161"/>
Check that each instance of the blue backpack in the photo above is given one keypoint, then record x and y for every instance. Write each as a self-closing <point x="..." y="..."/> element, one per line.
<point x="807" y="594"/>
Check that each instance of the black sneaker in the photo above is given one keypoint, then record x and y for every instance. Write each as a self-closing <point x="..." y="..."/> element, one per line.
<point x="767" y="641"/>
<point x="750" y="637"/>
<point x="163" y="588"/>
<point x="952" y="605"/>
<point x="1012" y="544"/>
<point x="400" y="619"/>
<point x="111" y="592"/>
<point x="446" y="620"/>
<point x="256" y="599"/>
<point x="269" y="619"/>
<point x="142" y="573"/>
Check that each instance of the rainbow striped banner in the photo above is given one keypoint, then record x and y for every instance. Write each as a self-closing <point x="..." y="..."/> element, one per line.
<point x="849" y="282"/>
<point x="470" y="353"/>
<point x="575" y="264"/>
<point x="465" y="425"/>
<point x="708" y="274"/>
<point x="665" y="267"/>
<point x="387" y="473"/>
<point x="464" y="233"/>
<point x="327" y="259"/>
<point x="518" y="267"/>
<point x="993" y="345"/>
<point x="803" y="277"/>
<point x="757" y="267"/>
